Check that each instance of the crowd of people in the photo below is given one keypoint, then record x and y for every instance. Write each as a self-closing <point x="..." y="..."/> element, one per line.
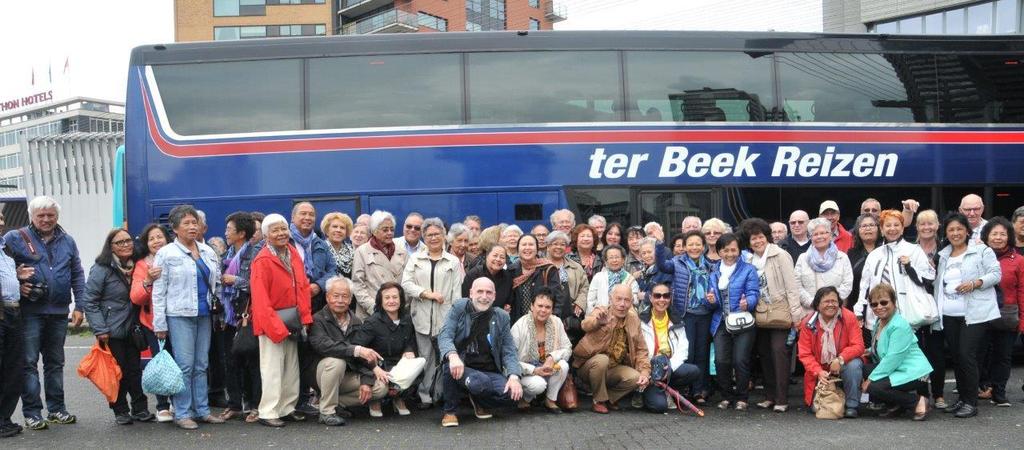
<point x="279" y="321"/>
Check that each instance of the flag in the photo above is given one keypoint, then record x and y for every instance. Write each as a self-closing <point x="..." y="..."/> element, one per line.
<point x="49" y="72"/>
<point x="33" y="76"/>
<point x="67" y="64"/>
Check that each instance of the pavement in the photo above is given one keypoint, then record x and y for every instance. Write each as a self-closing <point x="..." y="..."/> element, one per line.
<point x="993" y="428"/>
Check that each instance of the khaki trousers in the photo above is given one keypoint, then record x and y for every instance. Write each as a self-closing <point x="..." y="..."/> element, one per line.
<point x="608" y="385"/>
<point x="279" y="369"/>
<point x="338" y="385"/>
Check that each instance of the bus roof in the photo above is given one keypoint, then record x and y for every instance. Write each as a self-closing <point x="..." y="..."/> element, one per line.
<point x="756" y="42"/>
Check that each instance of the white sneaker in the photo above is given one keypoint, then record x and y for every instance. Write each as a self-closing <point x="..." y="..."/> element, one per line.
<point x="670" y="401"/>
<point x="164" y="416"/>
<point x="375" y="409"/>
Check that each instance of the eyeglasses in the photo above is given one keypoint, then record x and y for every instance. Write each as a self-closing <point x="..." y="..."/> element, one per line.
<point x="967" y="210"/>
<point x="433" y="235"/>
<point x="797" y="222"/>
<point x="413" y="227"/>
<point x="661" y="295"/>
<point x="868" y="225"/>
<point x="880" y="303"/>
<point x="123" y="242"/>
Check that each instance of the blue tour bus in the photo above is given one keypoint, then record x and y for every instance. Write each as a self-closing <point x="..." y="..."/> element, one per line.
<point x="636" y="126"/>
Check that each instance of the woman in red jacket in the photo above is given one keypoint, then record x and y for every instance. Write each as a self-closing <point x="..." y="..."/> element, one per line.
<point x="998" y="234"/>
<point x="280" y="316"/>
<point x="831" y="344"/>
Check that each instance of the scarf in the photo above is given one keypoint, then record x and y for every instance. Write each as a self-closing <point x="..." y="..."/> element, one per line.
<point x="229" y="293"/>
<point x="615" y="278"/>
<point x="126" y="269"/>
<point x="828" y="339"/>
<point x="550" y="336"/>
<point x="699" y="280"/>
<point x="343" y="257"/>
<point x="387" y="248"/>
<point x="307" y="246"/>
<point x="285" y="257"/>
<point x="822" y="263"/>
<point x="528" y="267"/>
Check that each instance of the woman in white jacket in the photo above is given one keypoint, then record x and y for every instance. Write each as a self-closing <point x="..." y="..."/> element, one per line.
<point x="898" y="263"/>
<point x="544" y="350"/>
<point x="822" y="265"/>
<point x="432" y="280"/>
<point x="614" y="273"/>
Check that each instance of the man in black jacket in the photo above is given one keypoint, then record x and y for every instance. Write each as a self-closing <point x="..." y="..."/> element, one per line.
<point x="344" y="372"/>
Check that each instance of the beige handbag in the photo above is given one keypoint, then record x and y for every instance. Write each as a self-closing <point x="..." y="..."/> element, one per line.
<point x="773" y="314"/>
<point x="829" y="400"/>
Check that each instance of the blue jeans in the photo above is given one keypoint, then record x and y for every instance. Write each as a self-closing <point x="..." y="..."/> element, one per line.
<point x="853" y="376"/>
<point x="684" y="375"/>
<point x="44" y="335"/>
<point x="698" y="332"/>
<point x="486" y="389"/>
<point x="190" y="337"/>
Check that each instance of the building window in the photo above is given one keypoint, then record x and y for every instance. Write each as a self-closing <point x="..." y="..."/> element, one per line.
<point x="535" y="3"/>
<point x="17" y="182"/>
<point x="992" y="17"/>
<point x="472" y="26"/>
<point x="534" y="24"/>
<point x="295" y="2"/>
<point x="489" y="15"/>
<point x="432" y="21"/>
<point x="253" y="32"/>
<point x="233" y="8"/>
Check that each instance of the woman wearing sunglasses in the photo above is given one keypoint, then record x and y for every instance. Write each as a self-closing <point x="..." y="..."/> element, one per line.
<point x="899" y="368"/>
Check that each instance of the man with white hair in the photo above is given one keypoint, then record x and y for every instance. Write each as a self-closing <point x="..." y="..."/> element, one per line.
<point x="690" y="223"/>
<point x="479" y="354"/>
<point x="598" y="223"/>
<point x="974" y="208"/>
<point x="654" y="230"/>
<point x="412" y="233"/>
<point x="799" y="240"/>
<point x="779" y="231"/>
<point x="45" y="299"/>
<point x="563" y="220"/>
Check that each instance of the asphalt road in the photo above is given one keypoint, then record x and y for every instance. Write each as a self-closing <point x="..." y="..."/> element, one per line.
<point x="993" y="428"/>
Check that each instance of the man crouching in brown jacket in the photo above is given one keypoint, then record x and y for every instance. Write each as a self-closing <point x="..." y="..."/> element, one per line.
<point x="612" y="357"/>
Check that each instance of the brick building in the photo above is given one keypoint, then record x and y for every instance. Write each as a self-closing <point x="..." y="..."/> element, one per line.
<point x="205" y="20"/>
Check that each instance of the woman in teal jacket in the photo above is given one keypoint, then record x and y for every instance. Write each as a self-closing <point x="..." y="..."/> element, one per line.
<point x="899" y="377"/>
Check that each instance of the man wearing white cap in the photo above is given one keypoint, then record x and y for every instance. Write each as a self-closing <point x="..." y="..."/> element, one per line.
<point x="842" y="238"/>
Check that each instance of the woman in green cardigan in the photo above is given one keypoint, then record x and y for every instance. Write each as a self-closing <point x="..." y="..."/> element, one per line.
<point x="899" y="377"/>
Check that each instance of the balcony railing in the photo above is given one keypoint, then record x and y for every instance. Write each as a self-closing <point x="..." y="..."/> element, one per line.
<point x="356" y="8"/>
<point x="554" y="11"/>
<point x="390" y="21"/>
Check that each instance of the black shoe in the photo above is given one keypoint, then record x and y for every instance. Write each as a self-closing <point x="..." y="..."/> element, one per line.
<point x="307" y="409"/>
<point x="954" y="407"/>
<point x="851" y="413"/>
<point x="123" y="419"/>
<point x="295" y="416"/>
<point x="1002" y="401"/>
<point x="893" y="412"/>
<point x="424" y="406"/>
<point x="272" y="423"/>
<point x="143" y="416"/>
<point x="343" y="412"/>
<point x="966" y="411"/>
<point x="10" y="430"/>
<point x="331" y="420"/>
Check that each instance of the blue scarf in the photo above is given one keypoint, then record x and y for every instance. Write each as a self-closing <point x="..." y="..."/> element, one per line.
<point x="307" y="245"/>
<point x="616" y="278"/>
<point x="822" y="263"/>
<point x="699" y="280"/>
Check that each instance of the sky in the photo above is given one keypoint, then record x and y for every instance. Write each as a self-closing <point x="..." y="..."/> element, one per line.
<point x="95" y="37"/>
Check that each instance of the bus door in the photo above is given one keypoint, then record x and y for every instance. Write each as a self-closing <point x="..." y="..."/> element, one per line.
<point x="670" y="206"/>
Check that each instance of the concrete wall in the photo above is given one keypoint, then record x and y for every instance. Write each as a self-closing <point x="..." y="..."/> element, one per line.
<point x="850" y="16"/>
<point x="77" y="171"/>
<point x="842" y="16"/>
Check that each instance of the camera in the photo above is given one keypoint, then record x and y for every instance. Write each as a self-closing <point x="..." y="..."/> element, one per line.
<point x="37" y="292"/>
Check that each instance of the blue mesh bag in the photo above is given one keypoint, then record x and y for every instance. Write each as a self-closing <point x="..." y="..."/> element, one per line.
<point x="162" y="375"/>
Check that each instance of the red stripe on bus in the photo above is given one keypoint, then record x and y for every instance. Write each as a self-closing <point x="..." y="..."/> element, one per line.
<point x="597" y="137"/>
